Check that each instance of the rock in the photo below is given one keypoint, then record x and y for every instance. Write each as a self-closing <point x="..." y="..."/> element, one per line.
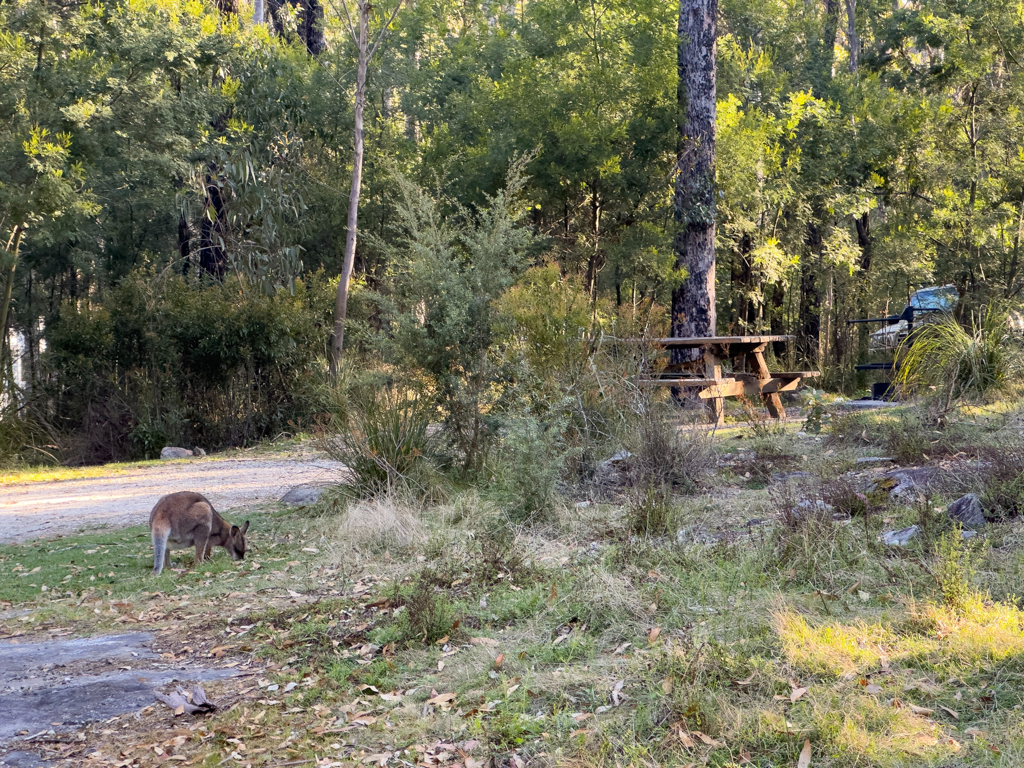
<point x="614" y="461"/>
<point x="909" y="481"/>
<point x="965" y="534"/>
<point x="967" y="511"/>
<point x="874" y="459"/>
<point x="302" y="494"/>
<point x="901" y="537"/>
<point x="198" y="451"/>
<point x="783" y="477"/>
<point x="611" y="471"/>
<point x="170" y="452"/>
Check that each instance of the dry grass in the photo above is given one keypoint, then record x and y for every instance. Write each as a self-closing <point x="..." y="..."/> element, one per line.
<point x="376" y="524"/>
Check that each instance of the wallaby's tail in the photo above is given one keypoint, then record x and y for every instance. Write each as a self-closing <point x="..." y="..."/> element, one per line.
<point x="159" y="548"/>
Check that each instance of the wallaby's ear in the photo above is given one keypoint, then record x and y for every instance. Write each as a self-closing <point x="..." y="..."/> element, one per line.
<point x="234" y="531"/>
<point x="245" y="527"/>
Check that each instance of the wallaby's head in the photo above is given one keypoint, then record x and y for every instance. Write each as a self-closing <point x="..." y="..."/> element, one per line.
<point x="236" y="543"/>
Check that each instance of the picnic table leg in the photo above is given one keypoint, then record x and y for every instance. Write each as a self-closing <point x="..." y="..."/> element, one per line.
<point x="773" y="402"/>
<point x="713" y="370"/>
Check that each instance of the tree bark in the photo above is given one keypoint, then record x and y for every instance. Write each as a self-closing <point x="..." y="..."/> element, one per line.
<point x="693" y="302"/>
<point x="213" y="232"/>
<point x="824" y="53"/>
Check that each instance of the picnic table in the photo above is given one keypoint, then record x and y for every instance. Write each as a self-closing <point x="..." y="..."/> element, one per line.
<point x="748" y="377"/>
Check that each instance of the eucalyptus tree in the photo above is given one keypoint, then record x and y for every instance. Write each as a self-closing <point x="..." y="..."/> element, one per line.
<point x="693" y="302"/>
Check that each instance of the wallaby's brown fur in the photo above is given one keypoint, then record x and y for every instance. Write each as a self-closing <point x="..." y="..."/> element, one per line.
<point x="186" y="519"/>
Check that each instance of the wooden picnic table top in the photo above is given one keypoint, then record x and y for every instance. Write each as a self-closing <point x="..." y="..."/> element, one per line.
<point x="693" y="342"/>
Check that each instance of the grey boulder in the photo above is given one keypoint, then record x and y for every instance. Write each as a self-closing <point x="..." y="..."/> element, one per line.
<point x="967" y="511"/>
<point x="900" y="538"/>
<point x="302" y="494"/>
<point x="170" y="452"/>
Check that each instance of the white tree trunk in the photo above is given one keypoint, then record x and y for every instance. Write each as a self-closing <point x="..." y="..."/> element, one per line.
<point x="341" y="302"/>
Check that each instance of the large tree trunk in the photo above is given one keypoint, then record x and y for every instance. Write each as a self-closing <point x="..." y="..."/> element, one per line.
<point x="341" y="301"/>
<point x="809" y="337"/>
<point x="693" y="302"/>
<point x="824" y="50"/>
<point x="311" y="26"/>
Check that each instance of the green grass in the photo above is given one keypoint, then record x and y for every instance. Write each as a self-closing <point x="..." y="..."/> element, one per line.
<point x="578" y="642"/>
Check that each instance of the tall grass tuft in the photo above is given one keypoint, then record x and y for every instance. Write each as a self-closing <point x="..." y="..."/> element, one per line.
<point x="384" y="442"/>
<point x="960" y="363"/>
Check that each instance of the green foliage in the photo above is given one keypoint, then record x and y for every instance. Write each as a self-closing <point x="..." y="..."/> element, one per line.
<point x="383" y="440"/>
<point x="528" y="465"/>
<point x="450" y="268"/>
<point x="960" y="363"/>
<point x="168" y="359"/>
<point x="955" y="569"/>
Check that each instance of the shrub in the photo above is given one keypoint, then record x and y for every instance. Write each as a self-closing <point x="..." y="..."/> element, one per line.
<point x="527" y="467"/>
<point x="428" y="615"/>
<point x="960" y="363"/>
<point x="666" y="454"/>
<point x="173" y="359"/>
<point x="384" y="442"/>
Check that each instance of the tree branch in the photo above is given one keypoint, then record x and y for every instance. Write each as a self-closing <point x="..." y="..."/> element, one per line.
<point x="384" y="30"/>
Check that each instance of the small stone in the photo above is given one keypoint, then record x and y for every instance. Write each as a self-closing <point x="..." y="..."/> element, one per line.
<point x="198" y="451"/>
<point x="170" y="452"/>
<point x="302" y="494"/>
<point x="900" y="538"/>
<point x="967" y="511"/>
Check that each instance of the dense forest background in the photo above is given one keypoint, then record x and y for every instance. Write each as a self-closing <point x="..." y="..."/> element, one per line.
<point x="174" y="183"/>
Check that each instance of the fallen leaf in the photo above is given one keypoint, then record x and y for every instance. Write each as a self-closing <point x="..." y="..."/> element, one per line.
<point x="443" y="700"/>
<point x="707" y="739"/>
<point x="653" y="635"/>
<point x="497" y="661"/>
<point x="666" y="685"/>
<point x="796" y="694"/>
<point x="952" y="713"/>
<point x="872" y="688"/>
<point x="805" y="755"/>
<point x="554" y="594"/>
<point x="482" y="641"/>
<point x="920" y="710"/>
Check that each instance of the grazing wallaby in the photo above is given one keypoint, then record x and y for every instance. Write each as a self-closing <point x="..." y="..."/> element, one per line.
<point x="185" y="519"/>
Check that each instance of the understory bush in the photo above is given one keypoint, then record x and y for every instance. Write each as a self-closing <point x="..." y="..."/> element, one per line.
<point x="382" y="438"/>
<point x="960" y="362"/>
<point x="166" y="359"/>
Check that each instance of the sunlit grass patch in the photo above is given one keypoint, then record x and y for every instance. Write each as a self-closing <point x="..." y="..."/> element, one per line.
<point x="927" y="637"/>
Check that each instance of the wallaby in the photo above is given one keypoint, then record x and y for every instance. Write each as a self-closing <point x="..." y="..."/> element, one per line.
<point x="184" y="519"/>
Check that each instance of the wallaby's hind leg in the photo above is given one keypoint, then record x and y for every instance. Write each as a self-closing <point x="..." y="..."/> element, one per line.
<point x="161" y="552"/>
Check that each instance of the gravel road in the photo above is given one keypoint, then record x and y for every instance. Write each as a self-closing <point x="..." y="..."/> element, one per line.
<point x="48" y="508"/>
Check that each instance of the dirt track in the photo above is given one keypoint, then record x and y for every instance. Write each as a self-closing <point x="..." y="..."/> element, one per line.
<point x="49" y="508"/>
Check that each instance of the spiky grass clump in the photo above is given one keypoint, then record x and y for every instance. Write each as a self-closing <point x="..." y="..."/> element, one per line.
<point x="961" y="363"/>
<point x="384" y="442"/>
